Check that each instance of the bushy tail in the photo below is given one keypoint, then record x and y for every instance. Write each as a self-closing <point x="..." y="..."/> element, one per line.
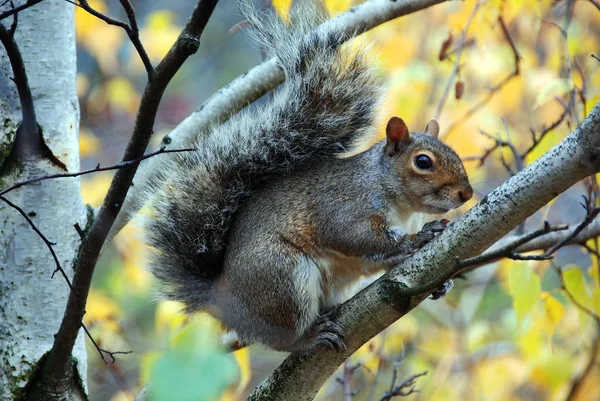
<point x="328" y="102"/>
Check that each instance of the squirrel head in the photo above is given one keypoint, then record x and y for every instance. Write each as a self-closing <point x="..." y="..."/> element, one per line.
<point x="429" y="176"/>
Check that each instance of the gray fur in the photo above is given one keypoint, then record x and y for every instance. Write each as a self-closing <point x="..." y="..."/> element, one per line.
<point x="326" y="104"/>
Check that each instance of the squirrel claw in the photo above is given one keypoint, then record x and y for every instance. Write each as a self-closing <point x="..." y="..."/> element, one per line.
<point x="436" y="226"/>
<point x="325" y="333"/>
<point x="428" y="232"/>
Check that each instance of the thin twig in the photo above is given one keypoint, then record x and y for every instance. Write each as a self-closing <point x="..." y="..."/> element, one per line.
<point x="496" y="88"/>
<point x="577" y="304"/>
<point x="590" y="216"/>
<point x="22" y="7"/>
<point x="50" y="245"/>
<point x="456" y="67"/>
<point x="102" y="351"/>
<point x="13" y="26"/>
<point x="467" y="265"/>
<point x="96" y="169"/>
<point x="403" y="389"/>
<point x="536" y="139"/>
<point x="131" y="29"/>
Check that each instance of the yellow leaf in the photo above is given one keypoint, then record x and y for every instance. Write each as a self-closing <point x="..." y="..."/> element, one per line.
<point x="282" y="7"/>
<point x="524" y="286"/>
<point x="158" y="35"/>
<point x="100" y="39"/>
<point x="554" y="311"/>
<point x="577" y="287"/>
<point x="242" y="358"/>
<point x="121" y="94"/>
<point x="335" y="7"/>
<point x="169" y="316"/>
<point x="94" y="188"/>
<point x="102" y="309"/>
<point x="88" y="143"/>
<point x="146" y="364"/>
<point x="550" y="140"/>
<point x="160" y="19"/>
<point x="531" y="341"/>
<point x="552" y="370"/>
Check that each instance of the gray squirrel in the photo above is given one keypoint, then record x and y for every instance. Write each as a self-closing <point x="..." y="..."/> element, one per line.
<point x="266" y="227"/>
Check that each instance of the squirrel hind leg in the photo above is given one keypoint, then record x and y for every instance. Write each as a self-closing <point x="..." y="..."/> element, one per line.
<point x="261" y="302"/>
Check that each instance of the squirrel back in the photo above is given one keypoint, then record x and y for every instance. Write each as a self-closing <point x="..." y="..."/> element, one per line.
<point x="327" y="103"/>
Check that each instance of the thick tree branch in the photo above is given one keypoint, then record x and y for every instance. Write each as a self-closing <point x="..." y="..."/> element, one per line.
<point x="255" y="83"/>
<point x="401" y="290"/>
<point x="187" y="44"/>
<point x="28" y="142"/>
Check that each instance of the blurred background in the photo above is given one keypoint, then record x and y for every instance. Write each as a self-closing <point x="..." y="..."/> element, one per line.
<point x="489" y="71"/>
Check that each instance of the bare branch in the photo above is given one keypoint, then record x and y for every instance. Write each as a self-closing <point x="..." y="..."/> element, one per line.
<point x="131" y="29"/>
<point x="48" y="243"/>
<point x="17" y="9"/>
<point x="96" y="169"/>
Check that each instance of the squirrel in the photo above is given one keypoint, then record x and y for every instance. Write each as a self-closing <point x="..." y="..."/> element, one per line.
<point x="265" y="226"/>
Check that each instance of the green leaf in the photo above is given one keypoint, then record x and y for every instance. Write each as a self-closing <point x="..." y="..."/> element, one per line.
<point x="596" y="300"/>
<point x="194" y="370"/>
<point x="524" y="286"/>
<point x="577" y="287"/>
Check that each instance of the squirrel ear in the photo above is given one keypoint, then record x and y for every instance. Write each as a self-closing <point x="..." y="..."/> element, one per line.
<point x="397" y="134"/>
<point x="432" y="128"/>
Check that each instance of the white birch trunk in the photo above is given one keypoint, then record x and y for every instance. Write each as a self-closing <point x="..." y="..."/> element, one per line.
<point x="32" y="303"/>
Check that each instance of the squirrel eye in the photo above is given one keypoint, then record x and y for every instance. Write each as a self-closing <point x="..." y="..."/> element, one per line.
<point x="423" y="162"/>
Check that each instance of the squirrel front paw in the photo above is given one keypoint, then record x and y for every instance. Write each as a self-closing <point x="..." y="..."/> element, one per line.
<point x="428" y="233"/>
<point x="323" y="333"/>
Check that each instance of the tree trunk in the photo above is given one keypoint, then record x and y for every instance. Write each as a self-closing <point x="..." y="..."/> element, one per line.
<point x="32" y="298"/>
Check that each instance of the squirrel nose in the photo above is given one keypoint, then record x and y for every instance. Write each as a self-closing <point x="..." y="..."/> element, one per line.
<point x="465" y="194"/>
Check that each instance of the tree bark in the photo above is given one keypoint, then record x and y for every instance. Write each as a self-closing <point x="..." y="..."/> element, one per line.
<point x="32" y="299"/>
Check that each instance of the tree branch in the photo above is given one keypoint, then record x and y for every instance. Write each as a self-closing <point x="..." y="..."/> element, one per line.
<point x="403" y="288"/>
<point x="17" y="9"/>
<point x="187" y="44"/>
<point x="255" y="83"/>
<point x="95" y="169"/>
<point x="28" y="142"/>
<point x="131" y="29"/>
